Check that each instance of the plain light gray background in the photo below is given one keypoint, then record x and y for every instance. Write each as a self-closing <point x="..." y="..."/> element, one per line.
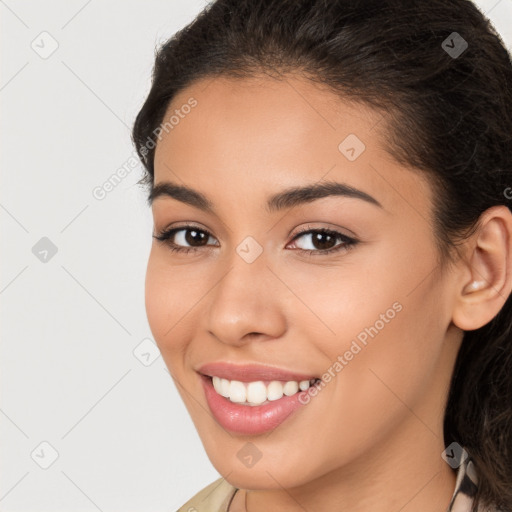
<point x="89" y="416"/>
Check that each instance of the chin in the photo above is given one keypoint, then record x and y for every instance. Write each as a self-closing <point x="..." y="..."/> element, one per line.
<point x="263" y="475"/>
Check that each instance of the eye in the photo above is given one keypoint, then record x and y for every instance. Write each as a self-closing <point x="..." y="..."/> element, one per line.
<point x="323" y="241"/>
<point x="193" y="235"/>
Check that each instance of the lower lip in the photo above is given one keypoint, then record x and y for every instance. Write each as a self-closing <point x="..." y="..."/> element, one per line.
<point x="247" y="419"/>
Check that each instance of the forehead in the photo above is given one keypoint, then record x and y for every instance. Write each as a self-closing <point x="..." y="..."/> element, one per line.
<point x="253" y="110"/>
<point x="262" y="132"/>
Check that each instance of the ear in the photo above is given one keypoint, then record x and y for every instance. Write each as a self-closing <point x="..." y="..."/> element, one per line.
<point x="486" y="280"/>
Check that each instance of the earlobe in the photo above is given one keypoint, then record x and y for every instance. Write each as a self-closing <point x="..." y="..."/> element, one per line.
<point x="490" y="267"/>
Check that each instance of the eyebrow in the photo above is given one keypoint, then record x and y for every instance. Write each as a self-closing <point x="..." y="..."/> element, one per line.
<point x="288" y="198"/>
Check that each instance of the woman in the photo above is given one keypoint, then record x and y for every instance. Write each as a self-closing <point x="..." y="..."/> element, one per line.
<point x="330" y="278"/>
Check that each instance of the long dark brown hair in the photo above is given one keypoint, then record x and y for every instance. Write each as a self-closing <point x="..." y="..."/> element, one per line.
<point x="441" y="75"/>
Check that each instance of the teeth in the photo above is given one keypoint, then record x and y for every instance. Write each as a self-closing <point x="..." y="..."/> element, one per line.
<point x="304" y="384"/>
<point x="274" y="390"/>
<point x="237" y="391"/>
<point x="224" y="387"/>
<point x="256" y="393"/>
<point x="290" y="388"/>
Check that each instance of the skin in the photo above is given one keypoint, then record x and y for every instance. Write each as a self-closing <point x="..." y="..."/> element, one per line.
<point x="358" y="444"/>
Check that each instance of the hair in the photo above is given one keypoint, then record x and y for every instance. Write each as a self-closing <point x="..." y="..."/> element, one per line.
<point x="447" y="115"/>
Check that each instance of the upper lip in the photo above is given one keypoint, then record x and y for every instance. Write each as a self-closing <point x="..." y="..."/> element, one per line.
<point x="251" y="372"/>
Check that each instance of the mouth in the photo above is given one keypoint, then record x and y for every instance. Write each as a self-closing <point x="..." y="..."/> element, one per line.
<point x="255" y="407"/>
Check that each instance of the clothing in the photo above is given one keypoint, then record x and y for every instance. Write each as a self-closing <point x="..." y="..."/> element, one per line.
<point x="217" y="496"/>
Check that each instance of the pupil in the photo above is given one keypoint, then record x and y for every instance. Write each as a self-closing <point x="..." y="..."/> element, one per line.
<point x="317" y="239"/>
<point x="193" y="236"/>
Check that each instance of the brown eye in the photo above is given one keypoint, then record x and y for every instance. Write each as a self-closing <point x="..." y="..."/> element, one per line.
<point x="323" y="241"/>
<point x="194" y="236"/>
<point x="184" y="238"/>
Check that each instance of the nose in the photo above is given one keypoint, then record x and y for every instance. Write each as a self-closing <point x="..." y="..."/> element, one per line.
<point x="246" y="303"/>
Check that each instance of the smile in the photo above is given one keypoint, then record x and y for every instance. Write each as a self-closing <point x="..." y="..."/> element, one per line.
<point x="258" y="392"/>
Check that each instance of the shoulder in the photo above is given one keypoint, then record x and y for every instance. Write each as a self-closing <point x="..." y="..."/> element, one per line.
<point x="215" y="497"/>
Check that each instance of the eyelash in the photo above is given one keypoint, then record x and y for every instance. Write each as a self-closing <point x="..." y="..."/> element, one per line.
<point x="348" y="244"/>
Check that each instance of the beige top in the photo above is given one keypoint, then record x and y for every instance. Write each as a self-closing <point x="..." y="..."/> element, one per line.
<point x="217" y="496"/>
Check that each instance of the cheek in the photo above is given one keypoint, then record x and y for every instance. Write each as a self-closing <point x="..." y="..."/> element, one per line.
<point x="174" y="295"/>
<point x="165" y="305"/>
<point x="156" y="296"/>
<point x="393" y="364"/>
<point x="381" y="380"/>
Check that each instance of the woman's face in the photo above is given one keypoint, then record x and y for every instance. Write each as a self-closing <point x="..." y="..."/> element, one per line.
<point x="375" y="315"/>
